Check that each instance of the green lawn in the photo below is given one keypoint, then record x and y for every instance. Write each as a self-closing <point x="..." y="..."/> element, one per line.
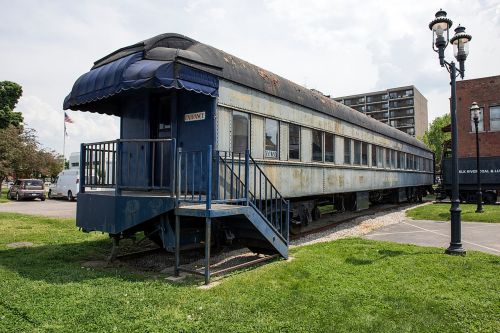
<point x="350" y="285"/>
<point x="3" y="195"/>
<point x="441" y="212"/>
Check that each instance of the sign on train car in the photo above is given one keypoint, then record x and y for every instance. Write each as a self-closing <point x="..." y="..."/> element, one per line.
<point x="194" y="116"/>
<point x="467" y="170"/>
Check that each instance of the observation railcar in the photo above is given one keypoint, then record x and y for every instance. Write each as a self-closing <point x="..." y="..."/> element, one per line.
<point x="213" y="148"/>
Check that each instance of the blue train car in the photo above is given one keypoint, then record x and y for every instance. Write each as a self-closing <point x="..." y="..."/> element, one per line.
<point x="214" y="149"/>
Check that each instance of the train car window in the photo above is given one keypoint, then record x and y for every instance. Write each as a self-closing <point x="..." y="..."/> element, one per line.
<point x="495" y="118"/>
<point x="293" y="142"/>
<point x="480" y="125"/>
<point x="364" y="153"/>
<point x="241" y="129"/>
<point x="387" y="158"/>
<point x="271" y="139"/>
<point x="380" y="152"/>
<point x="347" y="151"/>
<point x="329" y="147"/>
<point x="317" y="145"/>
<point x="374" y="156"/>
<point x="357" y="152"/>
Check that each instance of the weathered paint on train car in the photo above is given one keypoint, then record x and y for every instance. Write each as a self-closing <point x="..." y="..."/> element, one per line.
<point x="241" y="98"/>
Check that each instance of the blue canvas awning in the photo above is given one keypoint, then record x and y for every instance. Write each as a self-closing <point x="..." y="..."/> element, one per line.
<point x="134" y="72"/>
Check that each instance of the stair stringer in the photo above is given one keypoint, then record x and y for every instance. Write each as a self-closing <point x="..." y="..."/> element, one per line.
<point x="269" y="233"/>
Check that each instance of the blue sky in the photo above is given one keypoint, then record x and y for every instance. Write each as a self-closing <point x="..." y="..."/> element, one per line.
<point x="339" y="47"/>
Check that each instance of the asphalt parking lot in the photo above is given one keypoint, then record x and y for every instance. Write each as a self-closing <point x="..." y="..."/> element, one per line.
<point x="52" y="208"/>
<point x="477" y="236"/>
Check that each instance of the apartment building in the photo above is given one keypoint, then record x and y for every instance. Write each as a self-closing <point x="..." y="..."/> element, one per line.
<point x="404" y="108"/>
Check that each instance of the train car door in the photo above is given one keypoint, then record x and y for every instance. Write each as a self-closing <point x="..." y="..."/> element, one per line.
<point x="161" y="125"/>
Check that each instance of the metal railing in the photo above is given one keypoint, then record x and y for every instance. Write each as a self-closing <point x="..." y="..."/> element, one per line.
<point x="241" y="180"/>
<point x="192" y="181"/>
<point x="129" y="164"/>
<point x="213" y="177"/>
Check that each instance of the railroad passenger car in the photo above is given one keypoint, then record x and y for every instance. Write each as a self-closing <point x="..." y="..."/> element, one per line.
<point x="213" y="148"/>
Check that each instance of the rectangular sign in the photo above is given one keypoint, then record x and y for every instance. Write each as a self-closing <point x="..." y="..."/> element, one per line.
<point x="467" y="170"/>
<point x="194" y="116"/>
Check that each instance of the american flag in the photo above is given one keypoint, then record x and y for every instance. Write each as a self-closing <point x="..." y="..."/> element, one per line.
<point x="67" y="119"/>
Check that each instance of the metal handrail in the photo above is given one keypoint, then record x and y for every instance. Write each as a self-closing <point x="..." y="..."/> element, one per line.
<point x="263" y="205"/>
<point x="149" y="167"/>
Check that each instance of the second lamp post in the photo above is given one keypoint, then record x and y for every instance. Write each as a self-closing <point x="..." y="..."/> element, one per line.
<point x="475" y="111"/>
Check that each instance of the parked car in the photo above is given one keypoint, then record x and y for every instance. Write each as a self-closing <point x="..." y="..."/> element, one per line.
<point x="27" y="189"/>
<point x="66" y="185"/>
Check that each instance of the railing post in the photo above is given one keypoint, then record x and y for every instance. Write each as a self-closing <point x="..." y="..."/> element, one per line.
<point x="179" y="179"/>
<point x="217" y="176"/>
<point x="118" y="162"/>
<point x="209" y="177"/>
<point x="247" y="175"/>
<point x="82" y="168"/>
<point x="287" y="220"/>
<point x="173" y="166"/>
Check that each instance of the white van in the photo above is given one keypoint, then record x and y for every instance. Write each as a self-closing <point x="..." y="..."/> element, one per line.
<point x="66" y="185"/>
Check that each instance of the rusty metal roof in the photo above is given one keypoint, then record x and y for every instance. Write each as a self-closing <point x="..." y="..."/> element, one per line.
<point x="171" y="46"/>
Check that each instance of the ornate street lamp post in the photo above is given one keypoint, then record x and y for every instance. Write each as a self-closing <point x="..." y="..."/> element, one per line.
<point x="475" y="111"/>
<point x="440" y="26"/>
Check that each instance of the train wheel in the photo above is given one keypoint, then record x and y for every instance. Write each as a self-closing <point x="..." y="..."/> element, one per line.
<point x="316" y="213"/>
<point x="489" y="198"/>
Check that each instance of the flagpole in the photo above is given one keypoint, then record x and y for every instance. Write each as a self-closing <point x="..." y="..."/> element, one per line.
<point x="64" y="140"/>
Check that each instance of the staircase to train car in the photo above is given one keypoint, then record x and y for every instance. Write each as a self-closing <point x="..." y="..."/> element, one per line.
<point x="128" y="183"/>
<point x="233" y="189"/>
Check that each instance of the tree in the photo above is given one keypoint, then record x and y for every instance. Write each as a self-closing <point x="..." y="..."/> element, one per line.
<point x="10" y="92"/>
<point x="22" y="157"/>
<point x="434" y="137"/>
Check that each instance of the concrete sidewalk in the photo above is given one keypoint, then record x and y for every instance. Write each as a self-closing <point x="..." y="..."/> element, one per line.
<point x="52" y="208"/>
<point x="475" y="236"/>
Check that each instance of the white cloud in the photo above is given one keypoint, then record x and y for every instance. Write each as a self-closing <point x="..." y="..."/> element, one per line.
<point x="339" y="47"/>
<point x="49" y="124"/>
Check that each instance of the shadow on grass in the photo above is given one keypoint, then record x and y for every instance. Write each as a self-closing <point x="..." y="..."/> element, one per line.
<point x="61" y="263"/>
<point x="383" y="254"/>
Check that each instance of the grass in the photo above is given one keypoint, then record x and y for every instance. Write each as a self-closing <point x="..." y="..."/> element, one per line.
<point x="350" y="285"/>
<point x="3" y="195"/>
<point x="441" y="212"/>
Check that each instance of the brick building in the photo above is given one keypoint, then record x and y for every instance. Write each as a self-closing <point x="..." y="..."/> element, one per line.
<point x="486" y="93"/>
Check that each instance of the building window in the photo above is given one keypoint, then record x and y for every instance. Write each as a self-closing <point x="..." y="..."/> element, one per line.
<point x="347" y="151"/>
<point x="380" y="152"/>
<point x="400" y="159"/>
<point x="317" y="146"/>
<point x="272" y="135"/>
<point x="241" y="130"/>
<point x="480" y="125"/>
<point x="329" y="147"/>
<point x="364" y="153"/>
<point x="374" y="155"/>
<point x="294" y="142"/>
<point x="494" y="118"/>
<point x="387" y="158"/>
<point x="357" y="152"/>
